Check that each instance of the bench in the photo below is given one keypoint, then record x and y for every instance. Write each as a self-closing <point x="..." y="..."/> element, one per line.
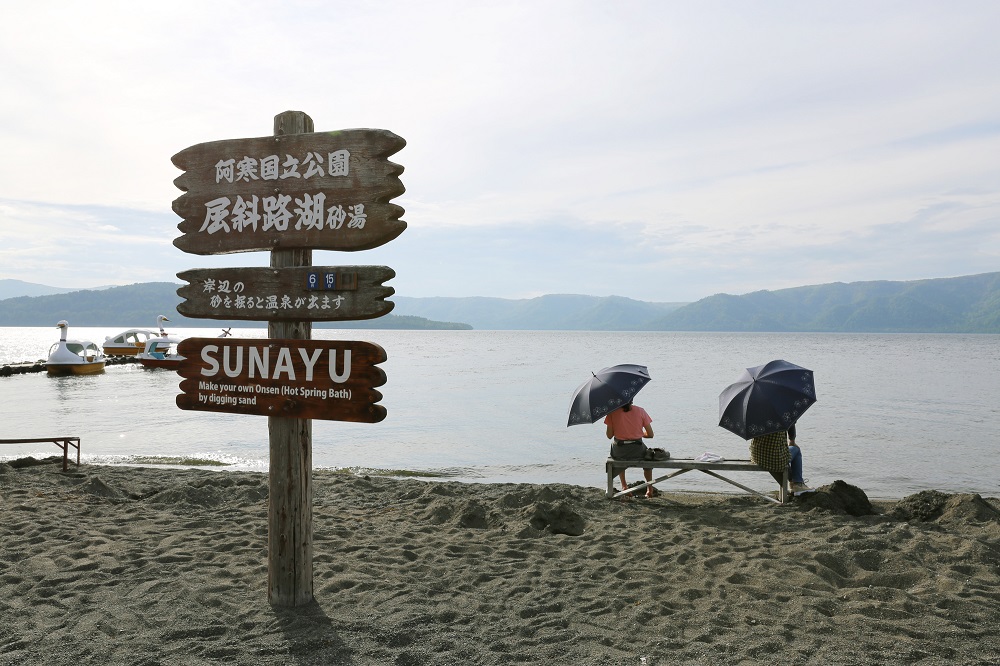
<point x="682" y="465"/>
<point x="62" y="442"/>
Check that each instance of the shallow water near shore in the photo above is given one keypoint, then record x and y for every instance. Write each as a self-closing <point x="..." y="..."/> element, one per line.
<point x="896" y="414"/>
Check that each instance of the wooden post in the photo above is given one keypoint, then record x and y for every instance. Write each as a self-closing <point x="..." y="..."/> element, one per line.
<point x="289" y="519"/>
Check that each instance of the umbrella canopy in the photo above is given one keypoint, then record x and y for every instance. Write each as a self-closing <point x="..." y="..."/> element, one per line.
<point x="765" y="399"/>
<point x="606" y="391"/>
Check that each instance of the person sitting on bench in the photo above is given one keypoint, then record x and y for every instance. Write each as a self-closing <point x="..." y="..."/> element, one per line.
<point x="795" y="480"/>
<point x="777" y="452"/>
<point x="627" y="425"/>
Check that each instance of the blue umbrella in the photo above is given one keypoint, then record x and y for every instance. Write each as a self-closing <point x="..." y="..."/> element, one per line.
<point x="767" y="398"/>
<point x="606" y="391"/>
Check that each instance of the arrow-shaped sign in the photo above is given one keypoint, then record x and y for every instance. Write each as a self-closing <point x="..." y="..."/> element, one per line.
<point x="321" y="190"/>
<point x="310" y="293"/>
<point x="304" y="379"/>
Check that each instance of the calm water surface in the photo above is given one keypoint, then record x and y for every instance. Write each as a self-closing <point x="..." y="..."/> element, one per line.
<point x="896" y="414"/>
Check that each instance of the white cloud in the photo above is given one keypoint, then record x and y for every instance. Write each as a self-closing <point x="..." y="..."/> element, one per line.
<point x="687" y="138"/>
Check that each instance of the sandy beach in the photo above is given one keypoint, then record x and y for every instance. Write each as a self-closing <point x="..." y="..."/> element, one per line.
<point x="145" y="566"/>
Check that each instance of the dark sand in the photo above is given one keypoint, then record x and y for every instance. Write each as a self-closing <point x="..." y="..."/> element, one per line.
<point x="123" y="565"/>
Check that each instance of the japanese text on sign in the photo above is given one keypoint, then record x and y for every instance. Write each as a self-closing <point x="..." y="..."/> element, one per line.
<point x="313" y="293"/>
<point x="229" y="296"/>
<point x="325" y="190"/>
<point x="309" y="212"/>
<point x="271" y="167"/>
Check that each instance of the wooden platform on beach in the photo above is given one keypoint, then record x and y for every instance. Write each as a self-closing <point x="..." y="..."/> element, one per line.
<point x="62" y="442"/>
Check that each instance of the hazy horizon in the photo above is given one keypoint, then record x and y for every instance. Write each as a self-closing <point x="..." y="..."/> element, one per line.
<point x="398" y="295"/>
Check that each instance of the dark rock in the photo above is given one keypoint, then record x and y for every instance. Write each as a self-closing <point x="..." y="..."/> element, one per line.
<point x="838" y="497"/>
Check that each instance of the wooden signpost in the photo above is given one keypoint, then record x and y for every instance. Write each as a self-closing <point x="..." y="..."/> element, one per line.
<point x="324" y="191"/>
<point x="317" y="293"/>
<point x="289" y="193"/>
<point x="303" y="379"/>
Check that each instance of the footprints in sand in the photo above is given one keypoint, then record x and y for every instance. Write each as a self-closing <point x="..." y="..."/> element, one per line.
<point x="408" y="572"/>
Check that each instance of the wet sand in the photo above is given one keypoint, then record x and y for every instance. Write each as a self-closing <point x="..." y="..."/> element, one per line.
<point x="126" y="565"/>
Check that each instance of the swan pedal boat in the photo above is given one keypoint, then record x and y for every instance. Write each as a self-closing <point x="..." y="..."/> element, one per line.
<point x="128" y="343"/>
<point x="74" y="357"/>
<point x="160" y="352"/>
<point x="133" y="341"/>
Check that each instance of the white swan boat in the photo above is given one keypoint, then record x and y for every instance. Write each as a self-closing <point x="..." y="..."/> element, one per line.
<point x="161" y="351"/>
<point x="74" y="357"/>
<point x="128" y="343"/>
<point x="133" y="341"/>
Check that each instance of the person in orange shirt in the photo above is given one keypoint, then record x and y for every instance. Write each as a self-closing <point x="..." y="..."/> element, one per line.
<point x="627" y="425"/>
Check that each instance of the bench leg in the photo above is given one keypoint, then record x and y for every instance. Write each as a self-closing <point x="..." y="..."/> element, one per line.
<point x="741" y="486"/>
<point x="656" y="480"/>
<point x="611" y="494"/>
<point x="783" y="494"/>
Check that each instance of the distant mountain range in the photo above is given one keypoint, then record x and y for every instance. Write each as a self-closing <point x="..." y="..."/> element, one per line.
<point x="968" y="304"/>
<point x="559" y="312"/>
<point x="14" y="288"/>
<point x="947" y="305"/>
<point x="137" y="305"/>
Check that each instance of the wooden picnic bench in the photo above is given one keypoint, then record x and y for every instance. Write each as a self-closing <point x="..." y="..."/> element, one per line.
<point x="62" y="442"/>
<point x="682" y="465"/>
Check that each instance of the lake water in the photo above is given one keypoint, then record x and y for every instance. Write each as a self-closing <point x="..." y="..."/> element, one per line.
<point x="896" y="414"/>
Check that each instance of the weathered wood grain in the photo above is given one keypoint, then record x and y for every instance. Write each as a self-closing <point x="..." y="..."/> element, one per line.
<point x="246" y="195"/>
<point x="289" y="506"/>
<point x="284" y="294"/>
<point x="299" y="379"/>
<point x="370" y="171"/>
<point x="371" y="181"/>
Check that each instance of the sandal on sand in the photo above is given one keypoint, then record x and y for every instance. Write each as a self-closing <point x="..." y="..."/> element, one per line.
<point x="652" y="492"/>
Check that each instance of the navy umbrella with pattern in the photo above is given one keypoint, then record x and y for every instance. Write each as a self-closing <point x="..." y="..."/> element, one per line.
<point x="765" y="399"/>
<point x="606" y="391"/>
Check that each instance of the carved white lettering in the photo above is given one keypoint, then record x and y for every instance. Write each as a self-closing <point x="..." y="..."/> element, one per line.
<point x="213" y="365"/>
<point x="258" y="362"/>
<point x="345" y="374"/>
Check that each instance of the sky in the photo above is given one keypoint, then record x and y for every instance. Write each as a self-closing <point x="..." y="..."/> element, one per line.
<point x="658" y="150"/>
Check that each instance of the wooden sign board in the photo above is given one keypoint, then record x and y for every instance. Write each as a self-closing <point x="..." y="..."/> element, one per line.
<point x="308" y="293"/>
<point x="333" y="380"/>
<point x="320" y="190"/>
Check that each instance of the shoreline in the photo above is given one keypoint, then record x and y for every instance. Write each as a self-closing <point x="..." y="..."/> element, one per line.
<point x="179" y="463"/>
<point x="137" y="565"/>
<point x="879" y="505"/>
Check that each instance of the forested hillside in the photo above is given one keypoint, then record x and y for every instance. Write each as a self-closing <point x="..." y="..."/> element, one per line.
<point x="138" y="305"/>
<point x="968" y="304"/>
